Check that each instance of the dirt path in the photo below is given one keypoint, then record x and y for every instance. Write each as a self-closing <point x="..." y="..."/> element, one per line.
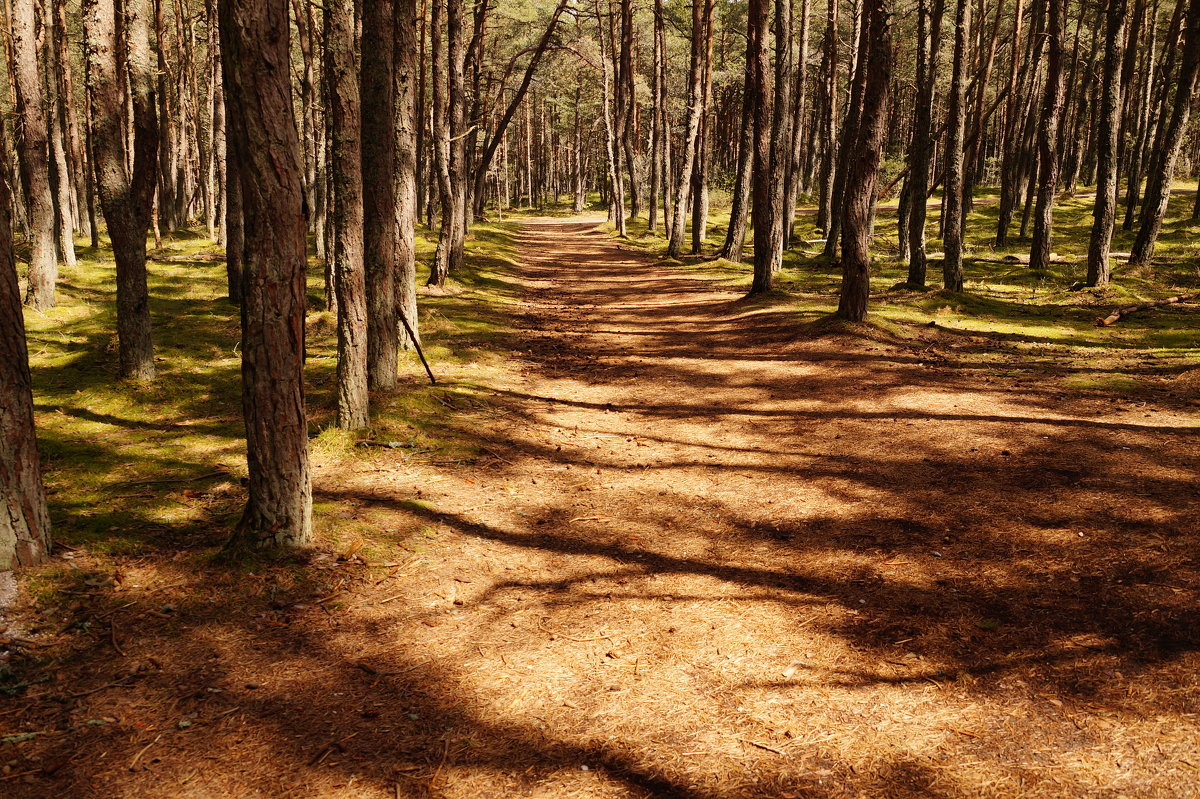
<point x="708" y="558"/>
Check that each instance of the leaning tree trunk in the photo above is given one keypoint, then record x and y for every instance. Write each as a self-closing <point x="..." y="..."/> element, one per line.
<point x="952" y="197"/>
<point x="379" y="192"/>
<point x="1104" y="215"/>
<point x="254" y="48"/>
<point x="341" y="75"/>
<point x="858" y="205"/>
<point x="33" y="155"/>
<point x="1052" y="103"/>
<point x="126" y="197"/>
<point x="24" y="520"/>
<point x="1162" y="168"/>
<point x="739" y="213"/>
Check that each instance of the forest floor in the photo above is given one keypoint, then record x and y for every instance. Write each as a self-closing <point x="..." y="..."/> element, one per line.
<point x="648" y="539"/>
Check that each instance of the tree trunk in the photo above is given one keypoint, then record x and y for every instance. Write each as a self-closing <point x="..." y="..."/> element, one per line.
<point x="799" y="137"/>
<point x="858" y="208"/>
<point x="762" y="193"/>
<point x="1104" y="215"/>
<point x="33" y="155"/>
<point x="24" y="520"/>
<point x="739" y="213"/>
<point x="60" y="169"/>
<point x="1039" y="254"/>
<point x="254" y="49"/>
<point x="929" y="34"/>
<point x="1162" y="166"/>
<point x="695" y="100"/>
<point x="341" y="75"/>
<point x="126" y="197"/>
<point x="952" y="196"/>
<point x="379" y="191"/>
<point x="406" y="168"/>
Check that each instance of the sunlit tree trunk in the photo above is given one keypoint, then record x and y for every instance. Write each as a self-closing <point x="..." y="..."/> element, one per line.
<point x="254" y="49"/>
<point x="1104" y="214"/>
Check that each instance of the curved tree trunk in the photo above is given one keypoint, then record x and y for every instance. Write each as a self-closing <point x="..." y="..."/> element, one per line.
<point x="863" y="170"/>
<point x="125" y="197"/>
<point x="929" y="34"/>
<point x="1162" y="166"/>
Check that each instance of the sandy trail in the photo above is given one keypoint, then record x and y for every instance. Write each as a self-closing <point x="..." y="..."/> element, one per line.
<point x="707" y="557"/>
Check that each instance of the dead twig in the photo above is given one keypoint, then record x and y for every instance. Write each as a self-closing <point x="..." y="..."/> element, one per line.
<point x="1120" y="313"/>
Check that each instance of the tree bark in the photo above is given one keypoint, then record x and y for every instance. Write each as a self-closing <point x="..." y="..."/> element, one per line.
<point x="762" y="193"/>
<point x="341" y="75"/>
<point x="952" y="196"/>
<point x="379" y="191"/>
<point x="1052" y="103"/>
<point x="24" y="519"/>
<point x="33" y="155"/>
<point x="1162" y="167"/>
<point x="254" y="49"/>
<point x="126" y="196"/>
<point x="929" y="34"/>
<point x="701" y="11"/>
<point x="1104" y="214"/>
<point x="406" y="168"/>
<point x="858" y="209"/>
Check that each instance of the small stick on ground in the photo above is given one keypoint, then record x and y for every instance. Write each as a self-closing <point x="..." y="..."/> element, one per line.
<point x="1120" y="313"/>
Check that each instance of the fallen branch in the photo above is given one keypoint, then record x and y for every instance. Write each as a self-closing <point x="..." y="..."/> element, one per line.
<point x="1120" y="313"/>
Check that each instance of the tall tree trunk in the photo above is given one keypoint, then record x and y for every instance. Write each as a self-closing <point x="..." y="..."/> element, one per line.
<point x="762" y="193"/>
<point x="929" y="34"/>
<point x="1162" y="166"/>
<point x="952" y="197"/>
<point x="60" y="169"/>
<point x="1104" y="214"/>
<point x="695" y="99"/>
<point x="33" y="154"/>
<point x="379" y="191"/>
<point x="699" y="191"/>
<point x="799" y="137"/>
<point x="612" y="119"/>
<point x="254" y="49"/>
<point x="1052" y="103"/>
<point x="858" y="208"/>
<point x="24" y="520"/>
<point x="825" y="210"/>
<point x="448" y="258"/>
<point x="125" y="196"/>
<point x="739" y="212"/>
<point x="341" y="75"/>
<point x="406" y="168"/>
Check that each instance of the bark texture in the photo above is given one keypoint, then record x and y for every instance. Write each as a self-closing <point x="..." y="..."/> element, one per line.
<point x="254" y="48"/>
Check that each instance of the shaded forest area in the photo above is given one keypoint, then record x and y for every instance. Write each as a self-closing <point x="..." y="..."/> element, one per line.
<point x="755" y="398"/>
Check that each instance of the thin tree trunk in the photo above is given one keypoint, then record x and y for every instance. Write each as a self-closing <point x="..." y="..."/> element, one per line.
<point x="60" y="169"/>
<point x="126" y="196"/>
<point x="33" y="154"/>
<point x="254" y="49"/>
<point x="700" y="13"/>
<point x="929" y="34"/>
<point x="406" y="167"/>
<point x="1104" y="215"/>
<point x="799" y="136"/>
<point x="762" y="193"/>
<point x="379" y="191"/>
<point x="1162" y="167"/>
<point x="341" y="75"/>
<point x="1039" y="254"/>
<point x="952" y="197"/>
